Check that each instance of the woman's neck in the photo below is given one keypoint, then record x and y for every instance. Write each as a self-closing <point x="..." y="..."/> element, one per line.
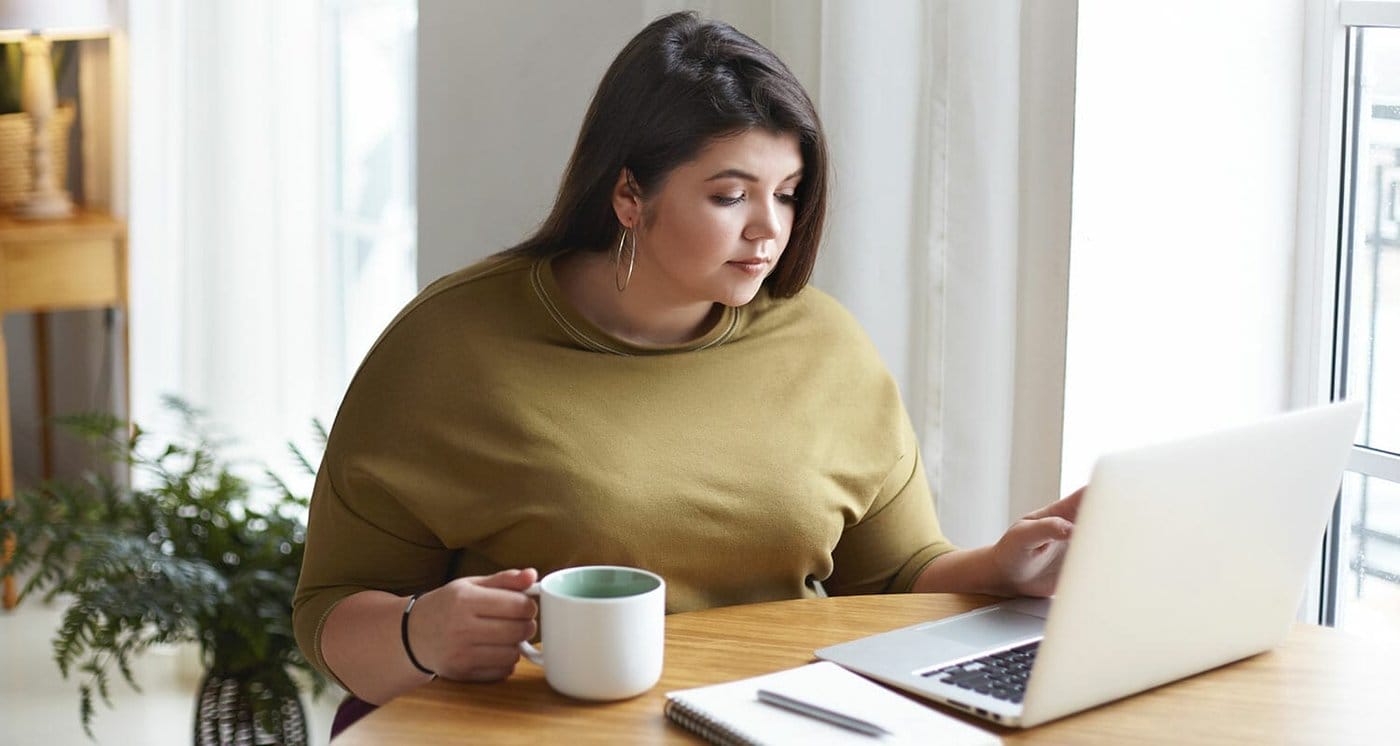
<point x="642" y="314"/>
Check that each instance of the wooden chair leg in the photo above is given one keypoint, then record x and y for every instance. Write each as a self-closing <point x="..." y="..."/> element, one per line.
<point x="11" y="597"/>
<point x="7" y="477"/>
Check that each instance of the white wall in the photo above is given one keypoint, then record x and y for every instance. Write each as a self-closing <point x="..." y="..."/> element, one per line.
<point x="502" y="89"/>
<point x="1185" y="186"/>
<point x="495" y="127"/>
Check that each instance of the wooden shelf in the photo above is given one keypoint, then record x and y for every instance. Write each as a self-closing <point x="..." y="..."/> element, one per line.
<point x="55" y="265"/>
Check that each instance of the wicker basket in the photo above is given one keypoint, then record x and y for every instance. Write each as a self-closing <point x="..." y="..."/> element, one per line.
<point x="15" y="169"/>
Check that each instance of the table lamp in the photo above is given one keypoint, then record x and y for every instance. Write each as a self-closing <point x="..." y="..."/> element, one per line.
<point x="37" y="24"/>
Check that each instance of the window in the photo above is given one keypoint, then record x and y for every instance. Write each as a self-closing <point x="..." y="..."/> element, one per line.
<point x="272" y="180"/>
<point x="373" y="218"/>
<point x="1362" y="558"/>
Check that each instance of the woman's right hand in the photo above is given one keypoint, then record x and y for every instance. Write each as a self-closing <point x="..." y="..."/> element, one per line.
<point x="469" y="629"/>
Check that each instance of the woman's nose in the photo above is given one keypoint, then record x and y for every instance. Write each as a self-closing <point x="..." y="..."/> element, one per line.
<point x="766" y="222"/>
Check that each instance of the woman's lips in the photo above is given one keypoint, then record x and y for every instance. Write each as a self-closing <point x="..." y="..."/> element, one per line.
<point x="754" y="266"/>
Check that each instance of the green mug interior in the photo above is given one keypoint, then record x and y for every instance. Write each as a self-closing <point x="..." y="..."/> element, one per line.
<point x="601" y="582"/>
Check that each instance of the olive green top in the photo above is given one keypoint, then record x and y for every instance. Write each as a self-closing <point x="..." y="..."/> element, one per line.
<point x="492" y="426"/>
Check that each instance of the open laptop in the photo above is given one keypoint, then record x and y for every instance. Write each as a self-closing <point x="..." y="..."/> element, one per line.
<point x="1186" y="556"/>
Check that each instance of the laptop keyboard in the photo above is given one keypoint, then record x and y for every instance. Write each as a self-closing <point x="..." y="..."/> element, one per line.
<point x="1002" y="674"/>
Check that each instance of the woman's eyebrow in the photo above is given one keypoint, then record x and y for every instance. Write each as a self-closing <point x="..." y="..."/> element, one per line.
<point x="738" y="173"/>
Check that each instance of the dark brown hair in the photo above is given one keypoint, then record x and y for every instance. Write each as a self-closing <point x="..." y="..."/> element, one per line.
<point x="678" y="85"/>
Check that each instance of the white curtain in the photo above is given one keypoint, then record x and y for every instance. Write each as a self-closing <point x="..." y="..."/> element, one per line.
<point x="950" y="128"/>
<point x="227" y="269"/>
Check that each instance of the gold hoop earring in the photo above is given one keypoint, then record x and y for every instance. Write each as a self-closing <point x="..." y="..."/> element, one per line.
<point x="618" y="279"/>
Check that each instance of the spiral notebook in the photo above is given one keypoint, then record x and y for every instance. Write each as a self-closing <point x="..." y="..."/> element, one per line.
<point x="732" y="714"/>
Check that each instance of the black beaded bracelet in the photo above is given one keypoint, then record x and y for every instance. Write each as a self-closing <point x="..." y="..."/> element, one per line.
<point x="403" y="628"/>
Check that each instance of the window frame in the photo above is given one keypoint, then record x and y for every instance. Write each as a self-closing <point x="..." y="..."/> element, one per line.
<point x="1323" y="276"/>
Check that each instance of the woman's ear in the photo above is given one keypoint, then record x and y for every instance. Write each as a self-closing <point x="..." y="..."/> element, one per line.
<point x="626" y="200"/>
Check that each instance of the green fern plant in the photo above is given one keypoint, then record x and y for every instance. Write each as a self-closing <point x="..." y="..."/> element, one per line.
<point x="187" y="552"/>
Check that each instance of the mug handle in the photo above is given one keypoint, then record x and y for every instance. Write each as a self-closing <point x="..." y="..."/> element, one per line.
<point x="531" y="652"/>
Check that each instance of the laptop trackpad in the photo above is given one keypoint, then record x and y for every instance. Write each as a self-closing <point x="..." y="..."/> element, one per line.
<point x="987" y="629"/>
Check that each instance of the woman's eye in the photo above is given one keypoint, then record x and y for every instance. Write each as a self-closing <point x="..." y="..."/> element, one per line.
<point x="727" y="201"/>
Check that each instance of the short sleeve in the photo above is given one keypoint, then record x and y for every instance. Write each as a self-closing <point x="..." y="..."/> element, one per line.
<point x="887" y="549"/>
<point x="370" y="543"/>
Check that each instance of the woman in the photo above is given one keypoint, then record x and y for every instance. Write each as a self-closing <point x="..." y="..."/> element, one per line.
<point x="646" y="381"/>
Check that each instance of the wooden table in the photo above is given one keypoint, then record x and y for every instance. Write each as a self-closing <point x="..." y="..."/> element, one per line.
<point x="54" y="265"/>
<point x="1321" y="686"/>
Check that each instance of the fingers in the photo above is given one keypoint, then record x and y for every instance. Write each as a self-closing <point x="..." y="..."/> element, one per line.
<point x="1067" y="507"/>
<point x="481" y="663"/>
<point x="1032" y="534"/>
<point x="495" y="656"/>
<point x="511" y="580"/>
<point x="496" y="603"/>
<point x="501" y="631"/>
<point x="469" y="628"/>
<point x="1030" y="554"/>
<point x="490" y="655"/>
<point x="500" y="595"/>
<point x="1070" y="505"/>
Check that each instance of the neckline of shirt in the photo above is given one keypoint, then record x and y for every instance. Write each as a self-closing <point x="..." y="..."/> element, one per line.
<point x="592" y="337"/>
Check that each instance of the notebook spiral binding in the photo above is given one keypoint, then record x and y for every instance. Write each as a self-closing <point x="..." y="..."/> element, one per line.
<point x="703" y="725"/>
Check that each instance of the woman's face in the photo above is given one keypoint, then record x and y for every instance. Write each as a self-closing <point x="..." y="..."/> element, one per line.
<point x="718" y="224"/>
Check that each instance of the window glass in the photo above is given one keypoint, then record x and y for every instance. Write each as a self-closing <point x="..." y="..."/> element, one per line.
<point x="1368" y="563"/>
<point x="373" y="222"/>
<point x="1365" y="585"/>
<point x="1371" y="295"/>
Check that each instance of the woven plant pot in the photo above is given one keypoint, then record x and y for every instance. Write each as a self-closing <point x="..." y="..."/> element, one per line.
<point x="224" y="717"/>
<point x="15" y="163"/>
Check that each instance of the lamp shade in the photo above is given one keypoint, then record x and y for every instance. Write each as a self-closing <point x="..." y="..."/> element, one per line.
<point x="55" y="19"/>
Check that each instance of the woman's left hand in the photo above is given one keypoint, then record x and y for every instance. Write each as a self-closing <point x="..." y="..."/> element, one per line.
<point x="1030" y="553"/>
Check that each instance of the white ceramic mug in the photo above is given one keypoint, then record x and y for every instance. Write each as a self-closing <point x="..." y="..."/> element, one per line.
<point x="603" y="630"/>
